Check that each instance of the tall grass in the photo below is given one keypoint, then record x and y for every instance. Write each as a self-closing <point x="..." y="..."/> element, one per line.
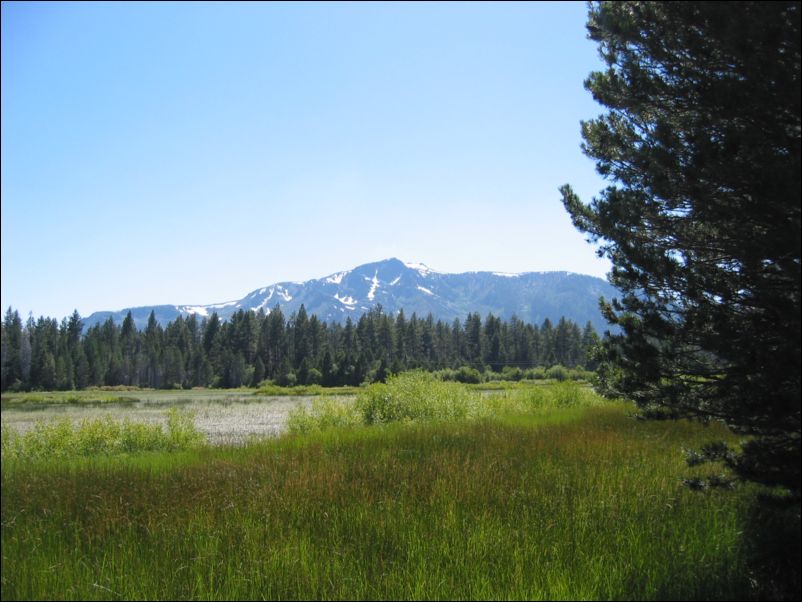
<point x="104" y="435"/>
<point x="422" y="397"/>
<point x="273" y="390"/>
<point x="576" y="501"/>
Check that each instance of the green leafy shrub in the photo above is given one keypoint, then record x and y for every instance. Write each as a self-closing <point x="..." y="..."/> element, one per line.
<point x="407" y="397"/>
<point x="464" y="374"/>
<point x="538" y="373"/>
<point x="468" y="375"/>
<point x="511" y="373"/>
<point x="414" y="396"/>
<point x="557" y="372"/>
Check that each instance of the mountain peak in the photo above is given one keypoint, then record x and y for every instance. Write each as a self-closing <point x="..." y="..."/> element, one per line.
<point x="421" y="268"/>
<point x="413" y="287"/>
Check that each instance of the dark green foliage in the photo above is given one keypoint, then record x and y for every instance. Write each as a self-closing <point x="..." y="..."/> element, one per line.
<point x="252" y="347"/>
<point x="557" y="372"/>
<point x="463" y="374"/>
<point x="702" y="219"/>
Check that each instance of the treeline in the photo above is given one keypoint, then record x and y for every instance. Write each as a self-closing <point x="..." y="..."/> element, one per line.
<point x="252" y="347"/>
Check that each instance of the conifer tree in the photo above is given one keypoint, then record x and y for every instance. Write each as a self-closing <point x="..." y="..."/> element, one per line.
<point x="701" y="144"/>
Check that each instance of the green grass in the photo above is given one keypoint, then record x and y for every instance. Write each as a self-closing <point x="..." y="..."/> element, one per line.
<point x="421" y="397"/>
<point x="274" y="390"/>
<point x="63" y="438"/>
<point x="546" y="493"/>
<point x="122" y="395"/>
<point x="12" y="400"/>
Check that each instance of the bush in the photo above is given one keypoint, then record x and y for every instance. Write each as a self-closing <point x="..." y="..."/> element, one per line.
<point x="557" y="372"/>
<point x="288" y="380"/>
<point x="314" y="377"/>
<point x="464" y="374"/>
<point x="538" y="373"/>
<point x="407" y="397"/>
<point x="468" y="375"/>
<point x="511" y="373"/>
<point x="414" y="396"/>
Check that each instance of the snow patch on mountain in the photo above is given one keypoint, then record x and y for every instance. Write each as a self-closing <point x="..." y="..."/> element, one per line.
<point x="349" y="300"/>
<point x="264" y="303"/>
<point x="222" y="305"/>
<point x="336" y="278"/>
<point x="531" y="296"/>
<point x="421" y="268"/>
<point x="373" y="286"/>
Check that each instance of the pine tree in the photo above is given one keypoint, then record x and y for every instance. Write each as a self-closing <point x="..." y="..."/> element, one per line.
<point x="701" y="144"/>
<point x="473" y="341"/>
<point x="547" y="353"/>
<point x="400" y="341"/>
<point x="11" y="344"/>
<point x="328" y="370"/>
<point x="152" y="343"/>
<point x="274" y="336"/>
<point x="129" y="342"/>
<point x="492" y="343"/>
<point x="301" y="342"/>
<point x="258" y="372"/>
<point x="589" y="342"/>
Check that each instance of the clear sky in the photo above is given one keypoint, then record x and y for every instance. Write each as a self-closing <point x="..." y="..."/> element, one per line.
<point x="191" y="153"/>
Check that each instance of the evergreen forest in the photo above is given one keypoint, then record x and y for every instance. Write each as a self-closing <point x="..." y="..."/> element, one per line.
<point x="300" y="349"/>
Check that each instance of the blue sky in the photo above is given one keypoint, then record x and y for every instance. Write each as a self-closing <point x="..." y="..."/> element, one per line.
<point x="190" y="153"/>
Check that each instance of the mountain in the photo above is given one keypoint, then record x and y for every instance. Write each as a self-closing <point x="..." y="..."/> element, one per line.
<point x="396" y="285"/>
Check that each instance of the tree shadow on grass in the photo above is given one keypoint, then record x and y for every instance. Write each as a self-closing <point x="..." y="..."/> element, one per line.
<point x="772" y="538"/>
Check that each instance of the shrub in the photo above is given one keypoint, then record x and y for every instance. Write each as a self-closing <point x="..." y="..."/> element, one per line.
<point x="468" y="375"/>
<point x="538" y="373"/>
<point x="511" y="373"/>
<point x="288" y="380"/>
<point x="414" y="396"/>
<point x="314" y="377"/>
<point x="557" y="372"/>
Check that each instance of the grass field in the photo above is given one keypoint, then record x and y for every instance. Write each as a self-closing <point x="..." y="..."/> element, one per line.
<point x="166" y="397"/>
<point x="549" y="496"/>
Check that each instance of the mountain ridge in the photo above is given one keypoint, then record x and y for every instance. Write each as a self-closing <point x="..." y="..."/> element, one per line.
<point x="413" y="287"/>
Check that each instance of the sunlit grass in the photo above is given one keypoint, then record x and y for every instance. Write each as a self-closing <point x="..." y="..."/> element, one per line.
<point x="420" y="397"/>
<point x="553" y="496"/>
<point x="58" y="439"/>
<point x="129" y="395"/>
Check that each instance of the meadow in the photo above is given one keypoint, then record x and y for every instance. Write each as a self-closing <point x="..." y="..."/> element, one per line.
<point x="416" y="489"/>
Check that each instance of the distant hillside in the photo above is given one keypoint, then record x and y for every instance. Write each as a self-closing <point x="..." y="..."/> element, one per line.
<point x="415" y="288"/>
